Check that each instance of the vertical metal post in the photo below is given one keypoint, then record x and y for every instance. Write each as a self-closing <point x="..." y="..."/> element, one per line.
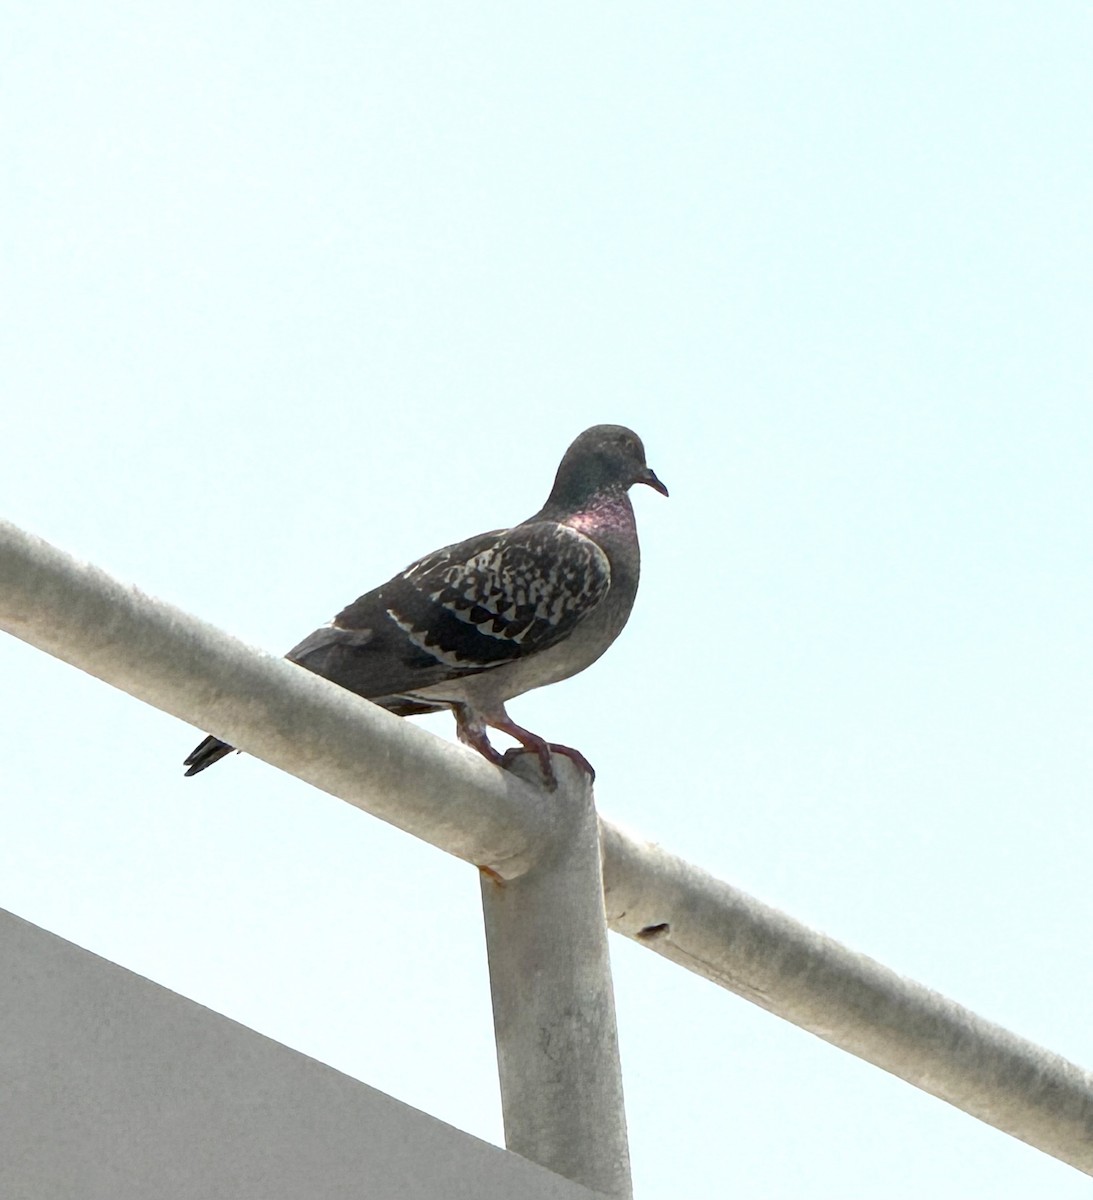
<point x="553" y="1004"/>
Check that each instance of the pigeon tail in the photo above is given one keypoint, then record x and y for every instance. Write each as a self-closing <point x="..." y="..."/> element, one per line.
<point x="211" y="750"/>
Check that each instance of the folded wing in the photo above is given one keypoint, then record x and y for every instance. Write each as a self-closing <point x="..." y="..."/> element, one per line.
<point x="471" y="607"/>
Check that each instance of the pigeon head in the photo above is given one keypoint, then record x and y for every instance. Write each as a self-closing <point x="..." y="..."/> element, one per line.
<point x="604" y="461"/>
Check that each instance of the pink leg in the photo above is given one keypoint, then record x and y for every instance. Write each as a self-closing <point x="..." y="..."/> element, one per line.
<point x="471" y="731"/>
<point x="535" y="744"/>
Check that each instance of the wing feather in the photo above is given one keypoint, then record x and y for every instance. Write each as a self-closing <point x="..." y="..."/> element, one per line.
<point x="468" y="608"/>
<point x="498" y="599"/>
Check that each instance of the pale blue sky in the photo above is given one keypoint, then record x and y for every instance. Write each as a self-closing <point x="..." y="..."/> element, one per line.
<point x="294" y="293"/>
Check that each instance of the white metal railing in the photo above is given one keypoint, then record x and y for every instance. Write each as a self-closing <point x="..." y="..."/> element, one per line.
<point x="544" y="897"/>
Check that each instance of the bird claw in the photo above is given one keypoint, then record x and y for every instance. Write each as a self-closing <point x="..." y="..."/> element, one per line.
<point x="576" y="756"/>
<point x="546" y="766"/>
<point x="511" y="756"/>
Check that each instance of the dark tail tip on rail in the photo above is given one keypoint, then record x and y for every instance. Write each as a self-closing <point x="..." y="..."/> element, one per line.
<point x="211" y="750"/>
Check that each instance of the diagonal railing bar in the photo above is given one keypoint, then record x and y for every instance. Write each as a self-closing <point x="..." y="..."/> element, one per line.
<point x="847" y="998"/>
<point x="456" y="801"/>
<point x="275" y="710"/>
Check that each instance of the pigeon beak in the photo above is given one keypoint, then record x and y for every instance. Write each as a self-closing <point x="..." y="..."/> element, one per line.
<point x="648" y="476"/>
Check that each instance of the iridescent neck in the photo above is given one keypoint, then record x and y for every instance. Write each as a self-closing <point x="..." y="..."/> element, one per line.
<point x="604" y="513"/>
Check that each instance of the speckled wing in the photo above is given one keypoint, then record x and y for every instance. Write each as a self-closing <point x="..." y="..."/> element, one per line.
<point x="465" y="609"/>
<point x="500" y="598"/>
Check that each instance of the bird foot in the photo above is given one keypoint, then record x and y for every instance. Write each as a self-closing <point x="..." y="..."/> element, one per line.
<point x="471" y="729"/>
<point x="543" y="753"/>
<point x="550" y="780"/>
<point x="576" y="756"/>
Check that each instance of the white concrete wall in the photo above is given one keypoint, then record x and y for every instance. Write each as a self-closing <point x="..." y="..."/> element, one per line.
<point x="113" y="1088"/>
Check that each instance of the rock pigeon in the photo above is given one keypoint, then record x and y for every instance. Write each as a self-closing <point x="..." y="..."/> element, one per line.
<point x="470" y="626"/>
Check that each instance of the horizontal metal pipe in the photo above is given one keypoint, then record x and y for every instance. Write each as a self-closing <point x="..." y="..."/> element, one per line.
<point x="847" y="998"/>
<point x="269" y="707"/>
<point x="455" y="800"/>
